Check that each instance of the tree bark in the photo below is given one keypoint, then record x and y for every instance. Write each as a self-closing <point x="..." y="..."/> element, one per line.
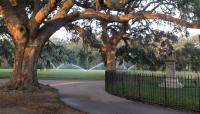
<point x="110" y="60"/>
<point x="25" y="65"/>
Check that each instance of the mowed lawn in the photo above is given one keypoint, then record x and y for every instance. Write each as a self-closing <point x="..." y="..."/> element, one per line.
<point x="62" y="74"/>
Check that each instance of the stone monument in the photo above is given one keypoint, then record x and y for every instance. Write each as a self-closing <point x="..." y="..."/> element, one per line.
<point x="170" y="79"/>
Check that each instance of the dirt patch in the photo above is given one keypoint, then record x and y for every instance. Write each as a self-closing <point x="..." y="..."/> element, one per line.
<point x="45" y="102"/>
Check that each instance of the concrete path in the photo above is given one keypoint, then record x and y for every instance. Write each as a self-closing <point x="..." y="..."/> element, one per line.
<point x="89" y="96"/>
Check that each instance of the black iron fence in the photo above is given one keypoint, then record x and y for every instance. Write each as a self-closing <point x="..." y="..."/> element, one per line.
<point x="178" y="92"/>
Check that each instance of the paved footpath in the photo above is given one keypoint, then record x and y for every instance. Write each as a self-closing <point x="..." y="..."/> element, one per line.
<point x="89" y="96"/>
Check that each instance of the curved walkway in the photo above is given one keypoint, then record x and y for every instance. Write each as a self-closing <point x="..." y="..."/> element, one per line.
<point x="90" y="97"/>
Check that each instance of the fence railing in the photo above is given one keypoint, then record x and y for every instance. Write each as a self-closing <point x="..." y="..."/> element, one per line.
<point x="155" y="89"/>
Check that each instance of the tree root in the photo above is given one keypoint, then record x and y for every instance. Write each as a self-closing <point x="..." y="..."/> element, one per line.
<point x="29" y="87"/>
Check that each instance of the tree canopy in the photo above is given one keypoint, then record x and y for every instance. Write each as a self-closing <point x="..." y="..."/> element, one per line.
<point x="30" y="24"/>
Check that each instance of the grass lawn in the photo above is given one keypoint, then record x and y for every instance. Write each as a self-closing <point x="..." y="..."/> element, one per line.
<point x="186" y="98"/>
<point x="146" y="88"/>
<point x="62" y="74"/>
<point x="178" y="73"/>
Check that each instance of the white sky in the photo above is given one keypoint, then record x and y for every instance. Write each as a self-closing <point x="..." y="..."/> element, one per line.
<point x="193" y="31"/>
<point x="62" y="33"/>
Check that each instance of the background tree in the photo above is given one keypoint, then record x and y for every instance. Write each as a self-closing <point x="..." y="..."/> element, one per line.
<point x="147" y="49"/>
<point x="189" y="9"/>
<point x="190" y="58"/>
<point x="135" y="6"/>
<point x="6" y="52"/>
<point x="52" y="55"/>
<point x="111" y="36"/>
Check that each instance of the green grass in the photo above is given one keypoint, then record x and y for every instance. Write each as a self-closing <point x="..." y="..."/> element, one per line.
<point x="5" y="72"/>
<point x="187" y="98"/>
<point x="72" y="74"/>
<point x="147" y="89"/>
<point x="178" y="73"/>
<point x="62" y="74"/>
<point x="93" y="74"/>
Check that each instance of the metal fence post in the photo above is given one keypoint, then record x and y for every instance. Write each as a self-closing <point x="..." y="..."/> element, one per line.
<point x="139" y="86"/>
<point x="106" y="80"/>
<point x="113" y="76"/>
<point x="199" y="92"/>
<point x="122" y="79"/>
<point x="165" y="88"/>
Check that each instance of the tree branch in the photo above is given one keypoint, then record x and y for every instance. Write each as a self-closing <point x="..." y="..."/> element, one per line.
<point x="39" y="15"/>
<point x="126" y="48"/>
<point x="36" y="8"/>
<point x="121" y="33"/>
<point x="104" y="37"/>
<point x="62" y="12"/>
<point x="90" y="14"/>
<point x="32" y="22"/>
<point x="44" y="12"/>
<point x="18" y="7"/>
<point x="53" y="25"/>
<point x="86" y="38"/>
<point x="150" y="3"/>
<point x="14" y="25"/>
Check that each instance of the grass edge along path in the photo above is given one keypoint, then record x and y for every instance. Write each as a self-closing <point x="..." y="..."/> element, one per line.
<point x="62" y="74"/>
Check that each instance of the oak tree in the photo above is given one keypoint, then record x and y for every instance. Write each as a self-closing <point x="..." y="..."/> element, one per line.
<point x="32" y="22"/>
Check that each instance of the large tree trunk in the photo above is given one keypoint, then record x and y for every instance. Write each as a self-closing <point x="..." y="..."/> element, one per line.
<point x="110" y="60"/>
<point x="25" y="66"/>
<point x="28" y="35"/>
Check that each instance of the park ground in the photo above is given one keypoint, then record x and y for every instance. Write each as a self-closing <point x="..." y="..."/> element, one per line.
<point x="78" y="89"/>
<point x="88" y="96"/>
<point x="46" y="102"/>
<point x="42" y="102"/>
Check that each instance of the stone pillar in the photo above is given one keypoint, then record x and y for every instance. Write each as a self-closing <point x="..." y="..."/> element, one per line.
<point x="171" y="81"/>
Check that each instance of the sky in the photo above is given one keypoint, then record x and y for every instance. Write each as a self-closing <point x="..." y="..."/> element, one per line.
<point x="62" y="33"/>
<point x="194" y="31"/>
